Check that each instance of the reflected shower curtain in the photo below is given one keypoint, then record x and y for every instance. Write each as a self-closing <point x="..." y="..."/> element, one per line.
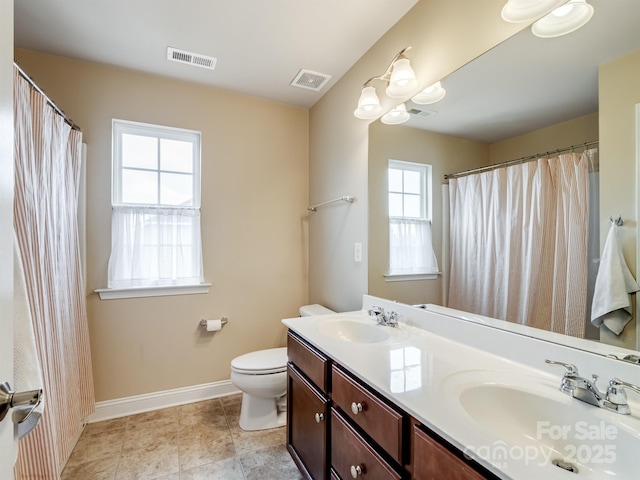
<point x="518" y="243"/>
<point x="47" y="174"/>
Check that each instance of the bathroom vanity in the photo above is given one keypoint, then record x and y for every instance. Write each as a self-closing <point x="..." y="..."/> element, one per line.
<point x="440" y="397"/>
<point x="340" y="427"/>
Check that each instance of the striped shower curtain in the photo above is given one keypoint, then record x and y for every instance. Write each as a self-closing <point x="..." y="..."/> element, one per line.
<point x="518" y="243"/>
<point x="47" y="173"/>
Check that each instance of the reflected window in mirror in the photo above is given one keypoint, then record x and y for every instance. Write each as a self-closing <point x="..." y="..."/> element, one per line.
<point x="410" y="199"/>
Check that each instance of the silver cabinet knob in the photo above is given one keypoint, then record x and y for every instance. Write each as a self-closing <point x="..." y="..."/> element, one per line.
<point x="319" y="417"/>
<point x="356" y="471"/>
<point x="356" y="408"/>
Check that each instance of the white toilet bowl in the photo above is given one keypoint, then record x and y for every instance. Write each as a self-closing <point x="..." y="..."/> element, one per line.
<point x="262" y="378"/>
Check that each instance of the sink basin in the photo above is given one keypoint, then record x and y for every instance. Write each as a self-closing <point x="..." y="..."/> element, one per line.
<point x="534" y="423"/>
<point x="353" y="331"/>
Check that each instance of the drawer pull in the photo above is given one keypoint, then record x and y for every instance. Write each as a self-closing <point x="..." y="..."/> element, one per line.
<point x="319" y="417"/>
<point x="356" y="408"/>
<point x="356" y="471"/>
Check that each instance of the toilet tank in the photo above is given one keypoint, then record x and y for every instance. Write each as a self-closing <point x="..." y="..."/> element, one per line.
<point x="315" y="309"/>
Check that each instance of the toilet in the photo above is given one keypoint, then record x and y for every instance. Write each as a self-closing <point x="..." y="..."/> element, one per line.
<point x="262" y="378"/>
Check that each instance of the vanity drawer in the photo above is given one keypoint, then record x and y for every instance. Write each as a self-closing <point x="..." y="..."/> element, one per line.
<point x="381" y="422"/>
<point x="350" y="451"/>
<point x="308" y="360"/>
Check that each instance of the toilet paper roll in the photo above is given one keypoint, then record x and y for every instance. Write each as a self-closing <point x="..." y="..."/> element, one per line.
<point x="214" y="325"/>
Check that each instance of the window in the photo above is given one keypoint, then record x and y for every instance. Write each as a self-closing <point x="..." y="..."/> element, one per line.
<point x="410" y="247"/>
<point x="155" y="236"/>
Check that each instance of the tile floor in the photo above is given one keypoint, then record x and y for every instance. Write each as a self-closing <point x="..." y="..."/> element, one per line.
<point x="190" y="442"/>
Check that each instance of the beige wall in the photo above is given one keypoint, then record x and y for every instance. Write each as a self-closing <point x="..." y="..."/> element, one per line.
<point x="442" y="40"/>
<point x="619" y="91"/>
<point x="446" y="154"/>
<point x="254" y="224"/>
<point x="573" y="132"/>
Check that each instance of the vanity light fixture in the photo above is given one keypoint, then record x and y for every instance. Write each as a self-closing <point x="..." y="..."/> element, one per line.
<point x="401" y="81"/>
<point x="431" y="94"/>
<point x="563" y="20"/>
<point x="519" y="11"/>
<point x="396" y="116"/>
<point x="368" y="105"/>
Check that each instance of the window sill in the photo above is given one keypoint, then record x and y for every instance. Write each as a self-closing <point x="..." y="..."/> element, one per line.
<point x="138" y="292"/>
<point x="407" y="277"/>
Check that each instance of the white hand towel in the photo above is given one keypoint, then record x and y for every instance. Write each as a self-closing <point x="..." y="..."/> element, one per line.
<point x="614" y="283"/>
<point x="27" y="373"/>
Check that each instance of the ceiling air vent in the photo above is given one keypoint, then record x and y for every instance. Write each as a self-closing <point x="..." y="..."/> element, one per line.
<point x="190" y="58"/>
<point x="422" y="113"/>
<point x="310" y="80"/>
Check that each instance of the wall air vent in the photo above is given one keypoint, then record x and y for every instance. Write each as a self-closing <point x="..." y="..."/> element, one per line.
<point x="310" y="80"/>
<point x="190" y="58"/>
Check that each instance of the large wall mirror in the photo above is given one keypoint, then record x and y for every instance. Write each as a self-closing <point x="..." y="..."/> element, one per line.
<point x="526" y="96"/>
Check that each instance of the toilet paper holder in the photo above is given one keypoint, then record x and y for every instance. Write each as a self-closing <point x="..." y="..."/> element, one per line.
<point x="223" y="321"/>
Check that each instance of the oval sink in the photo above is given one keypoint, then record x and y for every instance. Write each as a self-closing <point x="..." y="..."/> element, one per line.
<point x="352" y="331"/>
<point x="547" y="429"/>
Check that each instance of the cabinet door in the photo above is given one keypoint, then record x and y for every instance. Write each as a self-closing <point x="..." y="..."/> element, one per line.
<point x="353" y="457"/>
<point x="432" y="461"/>
<point x="307" y="426"/>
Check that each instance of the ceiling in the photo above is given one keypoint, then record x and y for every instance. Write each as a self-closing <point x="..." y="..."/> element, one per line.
<point x="527" y="83"/>
<point x="260" y="45"/>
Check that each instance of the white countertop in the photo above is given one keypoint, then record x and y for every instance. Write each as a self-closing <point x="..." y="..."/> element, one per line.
<point x="423" y="373"/>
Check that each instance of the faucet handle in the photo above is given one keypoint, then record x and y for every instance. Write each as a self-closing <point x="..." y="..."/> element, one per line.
<point x="616" y="382"/>
<point x="571" y="369"/>
<point x="394" y="317"/>
<point x="616" y="393"/>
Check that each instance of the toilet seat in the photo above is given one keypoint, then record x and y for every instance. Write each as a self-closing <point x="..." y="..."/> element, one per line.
<point x="261" y="362"/>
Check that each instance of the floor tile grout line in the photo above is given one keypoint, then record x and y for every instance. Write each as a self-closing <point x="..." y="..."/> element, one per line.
<point x="228" y="427"/>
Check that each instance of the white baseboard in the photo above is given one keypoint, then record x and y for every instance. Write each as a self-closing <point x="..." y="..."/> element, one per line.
<point x="122" y="407"/>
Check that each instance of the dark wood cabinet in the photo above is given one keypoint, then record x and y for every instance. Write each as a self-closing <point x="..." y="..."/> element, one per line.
<point x="307" y="425"/>
<point x="381" y="422"/>
<point x="312" y="363"/>
<point x="352" y="456"/>
<point x="432" y="461"/>
<point x="307" y="408"/>
<point x="339" y="428"/>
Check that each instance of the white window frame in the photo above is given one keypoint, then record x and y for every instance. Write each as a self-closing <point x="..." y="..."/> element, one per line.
<point x="120" y="128"/>
<point x="426" y="201"/>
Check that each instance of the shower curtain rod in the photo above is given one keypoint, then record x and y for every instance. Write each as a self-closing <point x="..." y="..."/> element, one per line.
<point x="53" y="105"/>
<point x="518" y="160"/>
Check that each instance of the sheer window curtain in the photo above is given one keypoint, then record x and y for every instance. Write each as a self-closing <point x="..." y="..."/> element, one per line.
<point x="155" y="247"/>
<point x="410" y="247"/>
<point x="518" y="243"/>
<point x="47" y="173"/>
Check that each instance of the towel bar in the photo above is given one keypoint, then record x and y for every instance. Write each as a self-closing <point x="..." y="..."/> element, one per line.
<point x="618" y="220"/>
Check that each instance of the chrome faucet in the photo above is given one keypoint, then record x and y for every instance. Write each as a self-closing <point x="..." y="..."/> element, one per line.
<point x="390" y="319"/>
<point x="585" y="390"/>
